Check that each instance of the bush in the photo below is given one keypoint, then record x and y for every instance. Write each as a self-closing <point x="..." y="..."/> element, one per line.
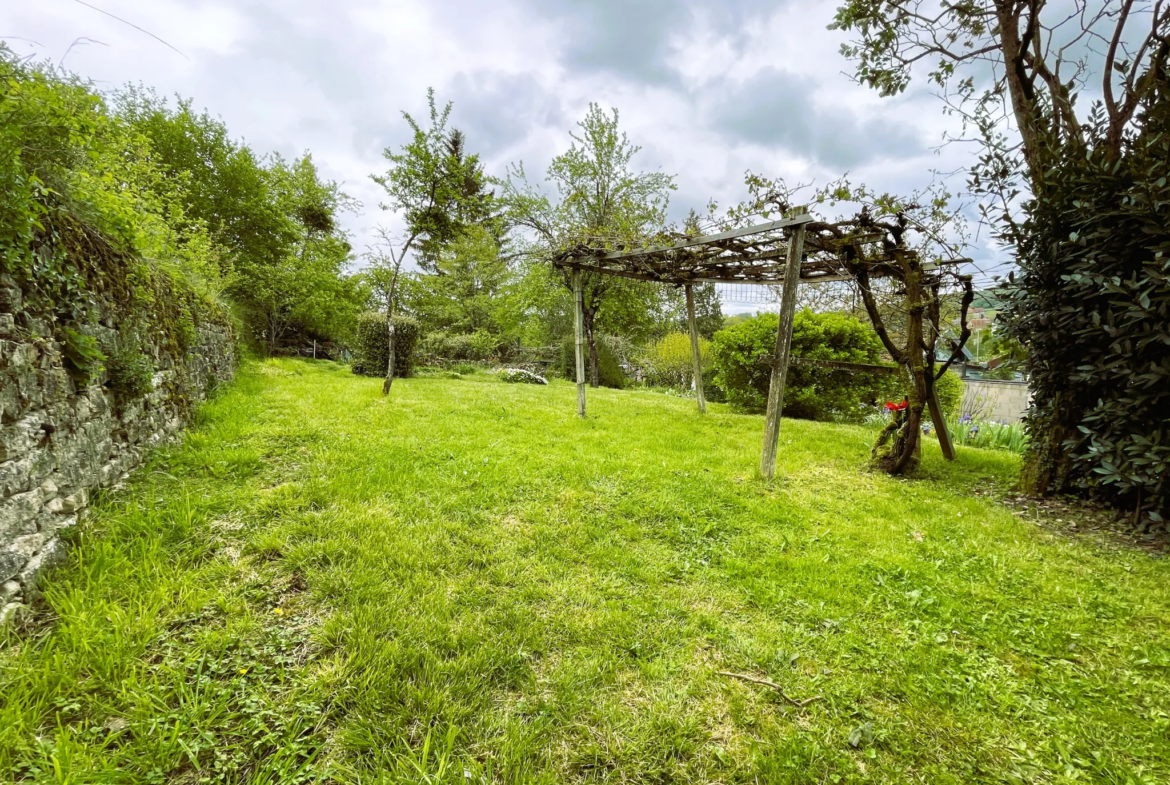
<point x="949" y="390"/>
<point x="478" y="346"/>
<point x="84" y="360"/>
<point x="609" y="369"/>
<point x="129" y="373"/>
<point x="1091" y="302"/>
<point x="373" y="345"/>
<point x="740" y="353"/>
<point x="668" y="363"/>
<point x="521" y="376"/>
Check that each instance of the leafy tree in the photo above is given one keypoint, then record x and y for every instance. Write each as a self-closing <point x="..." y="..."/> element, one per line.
<point x="308" y="289"/>
<point x="598" y="199"/>
<point x="1013" y="71"/>
<point x="221" y="183"/>
<point x="438" y="188"/>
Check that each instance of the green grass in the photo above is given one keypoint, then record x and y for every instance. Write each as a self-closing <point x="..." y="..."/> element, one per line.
<point x="466" y="583"/>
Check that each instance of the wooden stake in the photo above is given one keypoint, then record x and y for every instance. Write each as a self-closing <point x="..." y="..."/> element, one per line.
<point x="783" y="345"/>
<point x="940" y="425"/>
<point x="579" y="328"/>
<point x="695" y="350"/>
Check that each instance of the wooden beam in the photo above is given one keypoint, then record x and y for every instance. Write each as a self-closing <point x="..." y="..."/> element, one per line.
<point x="783" y="347"/>
<point x="940" y="425"/>
<point x="579" y="330"/>
<point x="710" y="238"/>
<point x="844" y="366"/>
<point x="698" y="360"/>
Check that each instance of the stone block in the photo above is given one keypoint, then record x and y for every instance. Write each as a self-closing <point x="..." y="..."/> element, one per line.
<point x="50" y="554"/>
<point x="9" y="591"/>
<point x="7" y="324"/>
<point x="17" y="514"/>
<point x="74" y="502"/>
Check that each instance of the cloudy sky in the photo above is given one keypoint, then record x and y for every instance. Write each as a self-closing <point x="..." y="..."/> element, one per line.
<point x="708" y="89"/>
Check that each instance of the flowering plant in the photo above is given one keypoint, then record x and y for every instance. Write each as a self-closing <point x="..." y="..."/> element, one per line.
<point x="897" y="407"/>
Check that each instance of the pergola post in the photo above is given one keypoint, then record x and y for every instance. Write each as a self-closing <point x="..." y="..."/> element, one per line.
<point x="940" y="425"/>
<point x="783" y="345"/>
<point x="579" y="331"/>
<point x="698" y="360"/>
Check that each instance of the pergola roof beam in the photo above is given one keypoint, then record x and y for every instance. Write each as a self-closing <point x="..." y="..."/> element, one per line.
<point x="714" y="238"/>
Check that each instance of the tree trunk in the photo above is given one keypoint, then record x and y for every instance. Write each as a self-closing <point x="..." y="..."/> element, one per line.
<point x="390" y="362"/>
<point x="594" y="376"/>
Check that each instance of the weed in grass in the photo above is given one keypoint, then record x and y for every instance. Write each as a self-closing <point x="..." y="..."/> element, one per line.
<point x="464" y="582"/>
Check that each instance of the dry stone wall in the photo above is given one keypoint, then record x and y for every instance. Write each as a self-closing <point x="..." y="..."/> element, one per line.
<point x="58" y="443"/>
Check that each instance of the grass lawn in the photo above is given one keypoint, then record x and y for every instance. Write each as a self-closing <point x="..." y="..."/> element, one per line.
<point x="467" y="583"/>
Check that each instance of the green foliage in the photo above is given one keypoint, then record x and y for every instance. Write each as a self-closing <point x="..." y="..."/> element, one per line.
<point x="669" y="362"/>
<point x="740" y="355"/>
<point x="84" y="359"/>
<point x="371" y="352"/>
<point x="443" y="347"/>
<point x="988" y="434"/>
<point x="129" y="373"/>
<point x="282" y="255"/>
<point x="600" y="199"/>
<point x="609" y="369"/>
<point x="438" y="188"/>
<point x="471" y="289"/>
<point x="1093" y="305"/>
<point x="949" y="390"/>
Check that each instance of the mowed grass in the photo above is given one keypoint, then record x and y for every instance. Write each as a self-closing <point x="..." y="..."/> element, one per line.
<point x="464" y="583"/>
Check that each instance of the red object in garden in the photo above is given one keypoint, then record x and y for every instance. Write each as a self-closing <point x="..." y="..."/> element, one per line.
<point x="897" y="407"/>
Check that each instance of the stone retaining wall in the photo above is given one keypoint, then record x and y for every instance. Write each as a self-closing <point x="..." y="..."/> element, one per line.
<point x="58" y="442"/>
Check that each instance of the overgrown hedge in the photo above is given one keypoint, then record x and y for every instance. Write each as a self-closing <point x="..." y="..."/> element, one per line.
<point x="740" y="354"/>
<point x="1092" y="304"/>
<point x="372" y="349"/>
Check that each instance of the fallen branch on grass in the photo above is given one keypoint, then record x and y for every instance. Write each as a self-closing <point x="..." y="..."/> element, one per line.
<point x="800" y="704"/>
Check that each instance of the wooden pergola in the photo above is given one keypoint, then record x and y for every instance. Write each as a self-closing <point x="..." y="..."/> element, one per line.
<point x="780" y="253"/>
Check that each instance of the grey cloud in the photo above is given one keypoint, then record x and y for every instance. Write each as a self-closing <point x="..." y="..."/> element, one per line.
<point x="498" y="110"/>
<point x="631" y="38"/>
<point x="775" y="108"/>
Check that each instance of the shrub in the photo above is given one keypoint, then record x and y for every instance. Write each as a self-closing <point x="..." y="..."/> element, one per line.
<point x="740" y="356"/>
<point x="609" y="369"/>
<point x="668" y="363"/>
<point x="129" y="373"/>
<point x="84" y="359"/>
<point x="520" y="376"/>
<point x="373" y="345"/>
<point x="478" y="346"/>
<point x="1091" y="302"/>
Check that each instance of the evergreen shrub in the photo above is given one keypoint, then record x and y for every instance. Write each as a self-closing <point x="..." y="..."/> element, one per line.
<point x="372" y="350"/>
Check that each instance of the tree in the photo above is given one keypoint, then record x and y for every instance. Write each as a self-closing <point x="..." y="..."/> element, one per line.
<point x="470" y="289"/>
<point x="305" y="289"/>
<point x="221" y="183"/>
<point x="1013" y="71"/>
<point x="438" y="188"/>
<point x="600" y="200"/>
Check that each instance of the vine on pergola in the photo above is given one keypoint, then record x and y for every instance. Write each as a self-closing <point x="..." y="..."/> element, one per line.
<point x="800" y="249"/>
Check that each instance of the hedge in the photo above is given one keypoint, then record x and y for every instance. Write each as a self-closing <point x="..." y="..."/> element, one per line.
<point x="740" y="354"/>
<point x="373" y="345"/>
